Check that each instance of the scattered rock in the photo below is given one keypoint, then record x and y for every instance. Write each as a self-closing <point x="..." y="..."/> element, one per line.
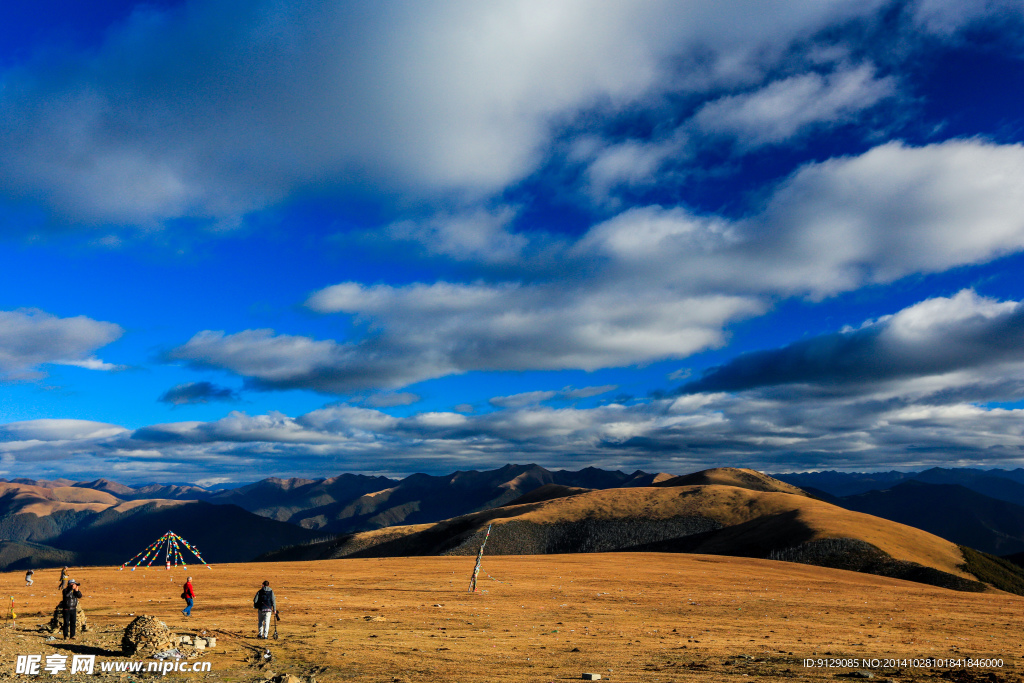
<point x="373" y="618"/>
<point x="591" y="677"/>
<point x="287" y="678"/>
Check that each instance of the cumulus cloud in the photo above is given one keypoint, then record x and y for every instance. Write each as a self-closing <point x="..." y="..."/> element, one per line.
<point x="677" y="435"/>
<point x="765" y="114"/>
<point x="30" y="338"/>
<point x="425" y="331"/>
<point x="783" y="109"/>
<point x="906" y="388"/>
<point x="270" y="361"/>
<point x="628" y="163"/>
<point x="932" y="346"/>
<point x="836" y="225"/>
<point x="477" y="235"/>
<point x="197" y="392"/>
<point x="893" y="211"/>
<point x="212" y="109"/>
<point x="656" y="283"/>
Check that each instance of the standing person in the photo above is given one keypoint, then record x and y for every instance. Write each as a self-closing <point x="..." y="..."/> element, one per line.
<point x="72" y="594"/>
<point x="28" y="577"/>
<point x="63" y="578"/>
<point x="265" y="602"/>
<point x="189" y="594"/>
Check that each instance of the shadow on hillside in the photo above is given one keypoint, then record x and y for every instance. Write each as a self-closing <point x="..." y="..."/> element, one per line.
<point x="755" y="538"/>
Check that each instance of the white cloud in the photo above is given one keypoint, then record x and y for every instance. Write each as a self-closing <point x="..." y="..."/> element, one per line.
<point x="681" y="435"/>
<point x="948" y="17"/>
<point x="658" y="283"/>
<point x="906" y="388"/>
<point x="630" y="163"/>
<point x="216" y="108"/>
<point x="477" y="235"/>
<point x="893" y="211"/>
<point x="424" y="331"/>
<point x="30" y="338"/>
<point x="91" y="363"/>
<point x="287" y="361"/>
<point x="784" y="109"/>
<point x="836" y="225"/>
<point x="58" y="430"/>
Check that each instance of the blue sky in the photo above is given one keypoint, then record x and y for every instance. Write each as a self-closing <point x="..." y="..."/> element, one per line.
<point x="250" y="239"/>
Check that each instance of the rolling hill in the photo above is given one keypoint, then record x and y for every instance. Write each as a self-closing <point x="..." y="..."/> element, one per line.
<point x="733" y="476"/>
<point x="702" y="518"/>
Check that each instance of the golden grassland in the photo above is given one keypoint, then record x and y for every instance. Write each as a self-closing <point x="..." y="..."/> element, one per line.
<point x="628" y="616"/>
<point x="781" y="516"/>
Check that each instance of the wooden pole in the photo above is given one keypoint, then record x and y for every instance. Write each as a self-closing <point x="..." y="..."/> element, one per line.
<point x="479" y="559"/>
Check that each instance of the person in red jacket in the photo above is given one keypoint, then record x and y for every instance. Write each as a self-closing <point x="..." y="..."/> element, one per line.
<point x="189" y="594"/>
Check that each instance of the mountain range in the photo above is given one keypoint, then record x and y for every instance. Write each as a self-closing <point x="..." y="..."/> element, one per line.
<point x="823" y="517"/>
<point x="1006" y="485"/>
<point x="53" y="525"/>
<point x="726" y="512"/>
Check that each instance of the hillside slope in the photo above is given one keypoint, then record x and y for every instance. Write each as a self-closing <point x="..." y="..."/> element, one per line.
<point x="714" y="519"/>
<point x="733" y="476"/>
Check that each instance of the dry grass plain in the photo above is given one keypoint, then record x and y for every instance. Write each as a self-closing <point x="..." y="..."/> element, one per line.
<point x="628" y="616"/>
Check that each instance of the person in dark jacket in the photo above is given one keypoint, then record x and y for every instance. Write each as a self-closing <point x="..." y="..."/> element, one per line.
<point x="265" y="602"/>
<point x="72" y="594"/>
<point x="189" y="594"/>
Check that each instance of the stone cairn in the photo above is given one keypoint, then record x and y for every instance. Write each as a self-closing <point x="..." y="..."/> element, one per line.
<point x="147" y="636"/>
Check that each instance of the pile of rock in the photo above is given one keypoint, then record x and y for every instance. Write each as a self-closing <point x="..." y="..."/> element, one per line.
<point x="199" y="643"/>
<point x="146" y="636"/>
<point x="57" y="619"/>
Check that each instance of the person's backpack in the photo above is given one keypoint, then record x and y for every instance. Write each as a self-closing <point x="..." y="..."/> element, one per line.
<point x="260" y="599"/>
